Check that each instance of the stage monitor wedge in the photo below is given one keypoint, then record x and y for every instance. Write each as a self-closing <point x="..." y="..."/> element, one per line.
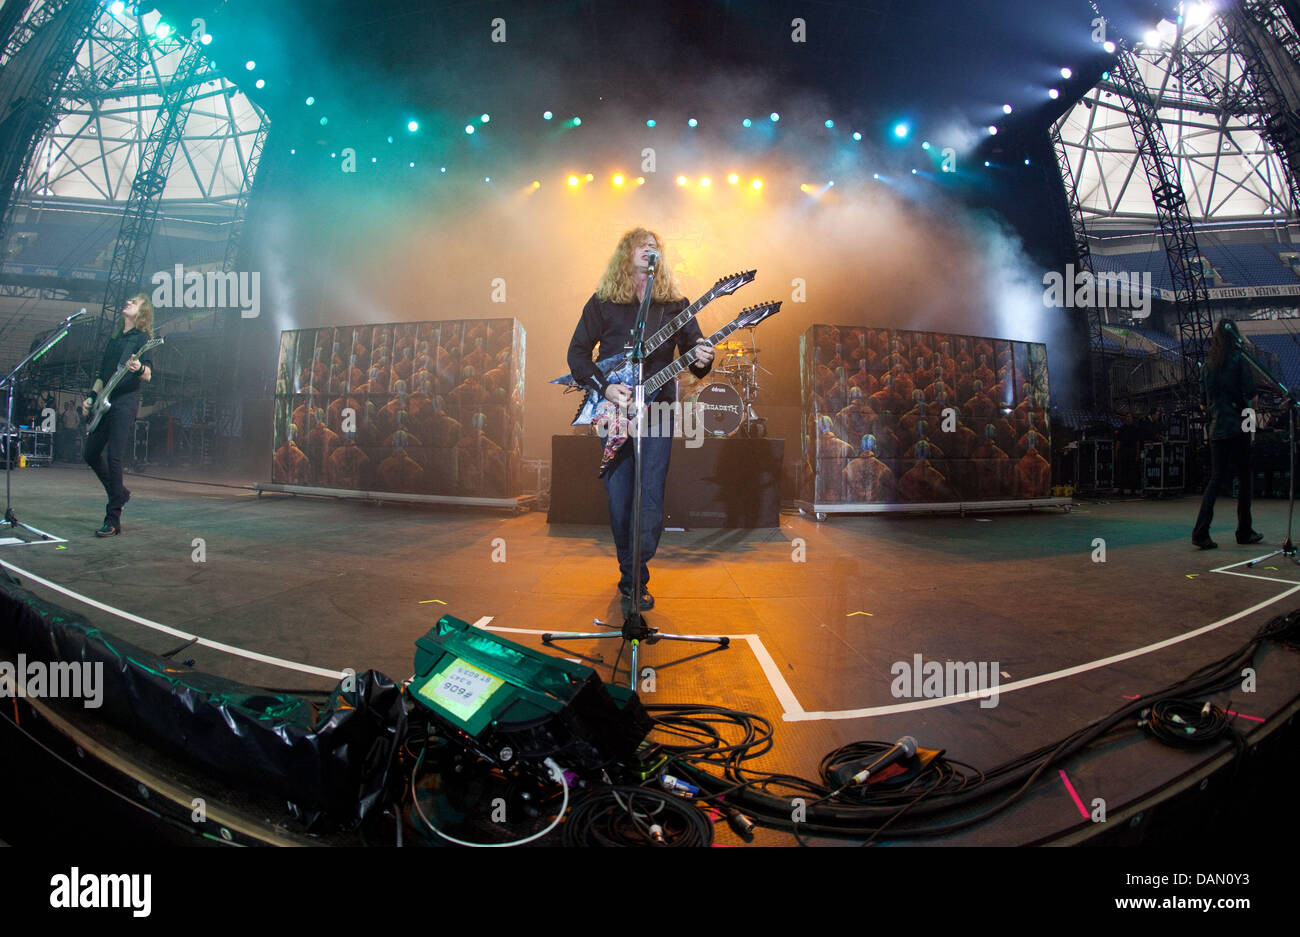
<point x="511" y="704"/>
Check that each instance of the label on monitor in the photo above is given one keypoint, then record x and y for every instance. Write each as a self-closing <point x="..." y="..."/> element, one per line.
<point x="460" y="688"/>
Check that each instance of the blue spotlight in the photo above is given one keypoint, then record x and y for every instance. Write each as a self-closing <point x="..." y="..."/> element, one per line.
<point x="411" y="126"/>
<point x="830" y="124"/>
<point x="547" y="115"/>
<point x="469" y="128"/>
<point x="484" y="118"/>
<point x="925" y="144"/>
<point x="774" y="117"/>
<point x="901" y="131"/>
<point x="650" y="122"/>
<point x="692" y="122"/>
<point x="856" y="135"/>
<point x="747" y="122"/>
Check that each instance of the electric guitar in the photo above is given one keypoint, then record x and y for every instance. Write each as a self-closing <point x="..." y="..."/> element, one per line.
<point x="101" y="404"/>
<point x="619" y="370"/>
<point x="612" y="421"/>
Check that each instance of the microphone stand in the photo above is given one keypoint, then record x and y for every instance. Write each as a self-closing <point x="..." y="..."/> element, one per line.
<point x="10" y="383"/>
<point x="1288" y="546"/>
<point x="635" y="630"/>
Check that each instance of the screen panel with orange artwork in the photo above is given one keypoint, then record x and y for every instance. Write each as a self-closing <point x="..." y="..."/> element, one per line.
<point x="907" y="417"/>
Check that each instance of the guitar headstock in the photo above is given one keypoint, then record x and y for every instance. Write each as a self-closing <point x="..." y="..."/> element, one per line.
<point x="729" y="284"/>
<point x="750" y="317"/>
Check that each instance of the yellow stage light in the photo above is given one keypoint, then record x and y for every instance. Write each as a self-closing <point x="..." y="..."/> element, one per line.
<point x="757" y="183"/>
<point x="681" y="180"/>
<point x="573" y="180"/>
<point x="705" y="182"/>
<point x="618" y="179"/>
<point x="733" y="178"/>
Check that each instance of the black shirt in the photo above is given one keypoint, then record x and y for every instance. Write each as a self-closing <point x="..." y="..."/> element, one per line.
<point x="610" y="324"/>
<point x="1228" y="391"/>
<point x="116" y="354"/>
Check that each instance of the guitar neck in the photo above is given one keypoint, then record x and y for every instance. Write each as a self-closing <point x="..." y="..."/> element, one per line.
<point x="677" y="321"/>
<point x="669" y="372"/>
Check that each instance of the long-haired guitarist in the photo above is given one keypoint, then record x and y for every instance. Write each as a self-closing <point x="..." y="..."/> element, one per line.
<point x="607" y="320"/>
<point x="106" y="445"/>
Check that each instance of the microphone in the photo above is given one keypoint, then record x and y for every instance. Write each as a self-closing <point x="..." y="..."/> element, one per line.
<point x="76" y="315"/>
<point x="652" y="259"/>
<point x="903" y="748"/>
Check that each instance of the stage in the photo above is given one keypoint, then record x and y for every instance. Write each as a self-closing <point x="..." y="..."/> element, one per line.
<point x="821" y="617"/>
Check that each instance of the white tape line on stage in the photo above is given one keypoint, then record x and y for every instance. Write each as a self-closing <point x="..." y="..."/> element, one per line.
<point x="176" y="632"/>
<point x="1058" y="674"/>
<point x="770" y="670"/>
<point x="794" y="712"/>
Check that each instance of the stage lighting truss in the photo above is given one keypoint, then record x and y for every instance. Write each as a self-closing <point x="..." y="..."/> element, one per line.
<point x="1209" y="107"/>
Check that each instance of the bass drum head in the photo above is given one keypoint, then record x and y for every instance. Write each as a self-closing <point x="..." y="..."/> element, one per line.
<point x="720" y="411"/>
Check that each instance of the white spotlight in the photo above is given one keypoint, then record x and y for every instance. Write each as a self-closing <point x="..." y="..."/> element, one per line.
<point x="1067" y="73"/>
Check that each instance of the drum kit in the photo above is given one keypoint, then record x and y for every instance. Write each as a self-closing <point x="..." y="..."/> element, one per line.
<point x="726" y="399"/>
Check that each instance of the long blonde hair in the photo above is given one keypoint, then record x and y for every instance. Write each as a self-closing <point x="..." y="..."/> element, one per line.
<point x="143" y="318"/>
<point x="618" y="282"/>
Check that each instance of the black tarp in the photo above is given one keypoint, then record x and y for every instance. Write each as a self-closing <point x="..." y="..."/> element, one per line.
<point x="330" y="762"/>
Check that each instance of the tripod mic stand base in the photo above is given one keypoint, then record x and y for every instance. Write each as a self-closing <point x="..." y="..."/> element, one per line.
<point x="635" y="631"/>
<point x="1287" y="549"/>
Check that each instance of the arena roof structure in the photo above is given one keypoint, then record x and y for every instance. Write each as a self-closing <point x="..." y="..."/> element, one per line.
<point x="1203" y="95"/>
<point x="111" y="100"/>
<point x="145" y="138"/>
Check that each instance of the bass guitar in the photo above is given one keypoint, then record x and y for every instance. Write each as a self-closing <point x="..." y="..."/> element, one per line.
<point x="102" y="404"/>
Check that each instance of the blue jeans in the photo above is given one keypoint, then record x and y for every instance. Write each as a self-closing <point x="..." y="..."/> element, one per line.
<point x="621" y="488"/>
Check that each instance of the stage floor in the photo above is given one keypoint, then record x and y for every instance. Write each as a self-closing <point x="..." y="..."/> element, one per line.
<point x="821" y="615"/>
